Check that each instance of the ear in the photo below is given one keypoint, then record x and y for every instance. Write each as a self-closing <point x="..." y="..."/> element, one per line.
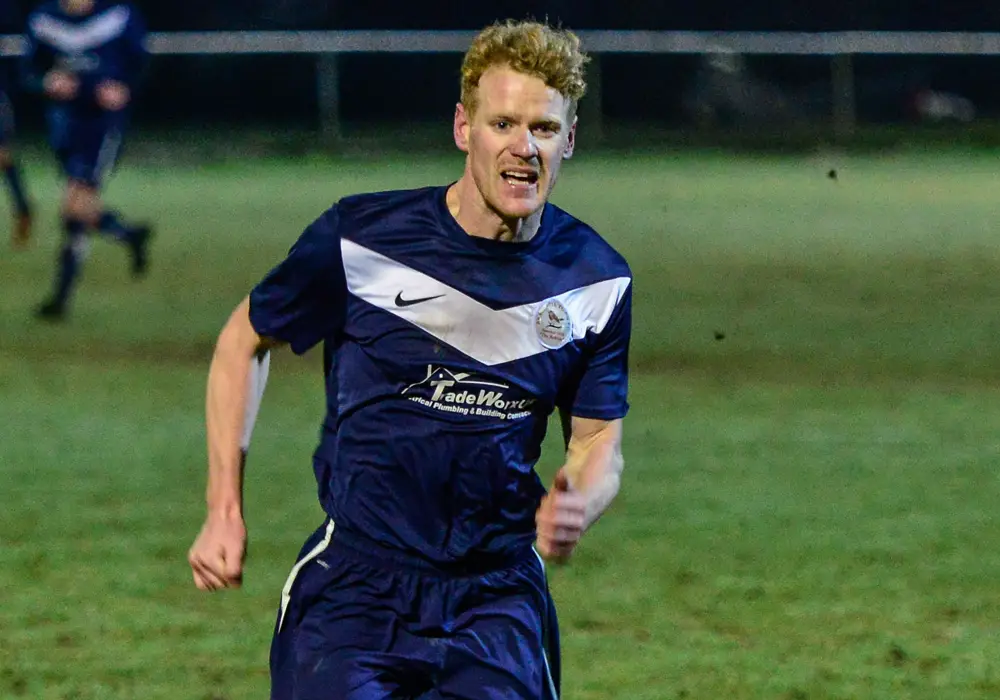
<point x="570" y="141"/>
<point x="461" y="128"/>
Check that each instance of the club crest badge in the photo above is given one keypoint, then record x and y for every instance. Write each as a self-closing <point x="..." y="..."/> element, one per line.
<point x="553" y="324"/>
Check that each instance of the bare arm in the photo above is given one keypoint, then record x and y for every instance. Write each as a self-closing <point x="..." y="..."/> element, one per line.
<point x="584" y="488"/>
<point x="216" y="557"/>
<point x="227" y="398"/>
<point x="594" y="462"/>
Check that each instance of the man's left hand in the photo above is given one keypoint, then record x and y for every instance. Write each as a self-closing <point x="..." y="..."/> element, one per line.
<point x="560" y="520"/>
<point x="112" y="95"/>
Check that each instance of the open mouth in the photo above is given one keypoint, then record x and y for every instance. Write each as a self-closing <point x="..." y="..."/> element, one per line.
<point x="519" y="177"/>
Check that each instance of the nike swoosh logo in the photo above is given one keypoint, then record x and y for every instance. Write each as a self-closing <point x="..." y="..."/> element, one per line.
<point x="402" y="303"/>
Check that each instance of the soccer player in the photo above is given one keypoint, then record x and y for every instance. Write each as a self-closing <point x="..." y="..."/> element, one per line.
<point x="20" y="206"/>
<point x="86" y="57"/>
<point x="454" y="321"/>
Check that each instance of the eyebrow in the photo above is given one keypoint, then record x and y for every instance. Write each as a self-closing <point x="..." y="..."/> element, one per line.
<point x="554" y="124"/>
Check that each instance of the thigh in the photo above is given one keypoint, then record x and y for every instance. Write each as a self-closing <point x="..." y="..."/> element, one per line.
<point x="357" y="652"/>
<point x="349" y="675"/>
<point x="507" y="646"/>
<point x="57" y="122"/>
<point x="91" y="148"/>
<point x="338" y="635"/>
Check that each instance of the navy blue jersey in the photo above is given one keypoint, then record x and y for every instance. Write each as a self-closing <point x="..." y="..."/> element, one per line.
<point x="445" y="355"/>
<point x="107" y="44"/>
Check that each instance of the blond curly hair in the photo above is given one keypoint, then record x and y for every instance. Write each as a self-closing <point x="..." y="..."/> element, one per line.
<point x="528" y="47"/>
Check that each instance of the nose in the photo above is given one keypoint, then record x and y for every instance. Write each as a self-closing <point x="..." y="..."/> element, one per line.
<point x="524" y="144"/>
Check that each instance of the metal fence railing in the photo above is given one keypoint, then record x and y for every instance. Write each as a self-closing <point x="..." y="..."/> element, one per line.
<point x="840" y="47"/>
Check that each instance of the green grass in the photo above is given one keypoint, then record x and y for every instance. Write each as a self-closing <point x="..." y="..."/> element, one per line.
<point x="809" y="508"/>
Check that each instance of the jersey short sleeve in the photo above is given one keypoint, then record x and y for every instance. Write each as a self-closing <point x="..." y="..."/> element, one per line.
<point x="601" y="391"/>
<point x="303" y="300"/>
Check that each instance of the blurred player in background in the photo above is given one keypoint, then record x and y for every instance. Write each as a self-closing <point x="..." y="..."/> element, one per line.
<point x="20" y="206"/>
<point x="455" y="320"/>
<point x="86" y="57"/>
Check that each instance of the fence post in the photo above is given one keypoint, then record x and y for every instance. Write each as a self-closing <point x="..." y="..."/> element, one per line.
<point x="845" y="115"/>
<point x="328" y="96"/>
<point x="591" y="107"/>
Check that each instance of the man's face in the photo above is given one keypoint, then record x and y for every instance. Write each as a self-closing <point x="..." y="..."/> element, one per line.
<point x="516" y="140"/>
<point x="78" y="7"/>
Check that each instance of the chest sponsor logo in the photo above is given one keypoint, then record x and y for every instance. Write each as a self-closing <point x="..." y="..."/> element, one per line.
<point x="79" y="63"/>
<point x="468" y="394"/>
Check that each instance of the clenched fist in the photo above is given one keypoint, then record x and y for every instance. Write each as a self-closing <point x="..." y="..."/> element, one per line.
<point x="560" y="520"/>
<point x="112" y="95"/>
<point x="217" y="555"/>
<point x="60" y="85"/>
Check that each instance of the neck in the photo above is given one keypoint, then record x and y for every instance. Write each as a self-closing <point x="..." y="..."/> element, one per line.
<point x="71" y="9"/>
<point x="476" y="217"/>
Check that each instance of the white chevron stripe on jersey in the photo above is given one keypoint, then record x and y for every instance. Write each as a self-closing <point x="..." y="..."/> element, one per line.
<point x="76" y="38"/>
<point x="490" y="336"/>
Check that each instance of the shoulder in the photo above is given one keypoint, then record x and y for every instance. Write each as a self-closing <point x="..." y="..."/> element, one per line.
<point x="112" y="17"/>
<point x="47" y="11"/>
<point x="588" y="250"/>
<point x="317" y="247"/>
<point x="112" y="6"/>
<point x="124" y="12"/>
<point x="127" y="9"/>
<point x="324" y="230"/>
<point x="46" y="24"/>
<point x="50" y="7"/>
<point x="377" y="203"/>
<point x="378" y="211"/>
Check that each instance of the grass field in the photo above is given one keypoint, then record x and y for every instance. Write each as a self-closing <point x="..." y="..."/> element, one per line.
<point x="810" y="504"/>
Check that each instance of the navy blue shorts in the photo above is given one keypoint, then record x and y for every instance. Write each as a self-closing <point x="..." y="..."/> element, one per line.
<point x="358" y="624"/>
<point x="87" y="144"/>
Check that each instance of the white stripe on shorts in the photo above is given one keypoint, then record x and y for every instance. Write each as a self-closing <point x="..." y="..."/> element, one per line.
<point x="286" y="592"/>
<point x="107" y="154"/>
<point x="545" y="655"/>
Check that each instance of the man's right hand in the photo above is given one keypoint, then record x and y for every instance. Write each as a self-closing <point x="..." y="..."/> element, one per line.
<point x="216" y="557"/>
<point x="60" y="85"/>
